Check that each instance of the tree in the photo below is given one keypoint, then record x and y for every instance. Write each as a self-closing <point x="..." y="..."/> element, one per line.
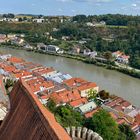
<point x="66" y="116"/>
<point x="8" y="15"/>
<point x="20" y="19"/>
<point x="79" y="18"/>
<point x="103" y="94"/>
<point x="51" y="105"/>
<point x="108" y="56"/>
<point x="126" y="130"/>
<point x="92" y="94"/>
<point x="103" y="123"/>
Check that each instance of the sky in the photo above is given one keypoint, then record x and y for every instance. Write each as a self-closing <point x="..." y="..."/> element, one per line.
<point x="70" y="7"/>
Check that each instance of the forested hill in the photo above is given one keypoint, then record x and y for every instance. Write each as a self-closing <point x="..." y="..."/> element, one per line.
<point x="110" y="19"/>
<point x="121" y="32"/>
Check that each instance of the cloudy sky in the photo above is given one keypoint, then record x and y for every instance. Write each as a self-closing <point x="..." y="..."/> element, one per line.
<point x="70" y="7"/>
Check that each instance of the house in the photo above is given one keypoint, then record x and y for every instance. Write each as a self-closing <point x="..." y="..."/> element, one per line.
<point x="87" y="52"/>
<point x="53" y="48"/>
<point x="91" y="113"/>
<point x="89" y="24"/>
<point x="41" y="47"/>
<point x="121" y="108"/>
<point x="39" y="20"/>
<point x="58" y="77"/>
<point x="123" y="59"/>
<point x="74" y="82"/>
<point x="15" y="60"/>
<point x="38" y="84"/>
<point x="101" y="23"/>
<point x="21" y="74"/>
<point x="93" y="54"/>
<point x="82" y="85"/>
<point x="85" y="88"/>
<point x="65" y="38"/>
<point x="28" y="47"/>
<point x="17" y="41"/>
<point x="65" y="96"/>
<point x="3" y="38"/>
<point x="87" y="107"/>
<point x="49" y="48"/>
<point x="44" y="71"/>
<point x="11" y="36"/>
<point x="117" y="54"/>
<point x="79" y="102"/>
<point x="5" y="56"/>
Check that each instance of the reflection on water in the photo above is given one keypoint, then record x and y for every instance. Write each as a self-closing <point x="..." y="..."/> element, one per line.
<point x="112" y="81"/>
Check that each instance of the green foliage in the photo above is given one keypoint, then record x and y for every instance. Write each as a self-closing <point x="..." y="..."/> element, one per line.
<point x="68" y="117"/>
<point x="80" y="18"/>
<point x="92" y="94"/>
<point x="65" y="115"/>
<point x="9" y="83"/>
<point x="10" y="15"/>
<point x="108" y="56"/>
<point x="103" y="94"/>
<point x="126" y="130"/>
<point x="103" y="123"/>
<point x="51" y="105"/>
<point x="135" y="61"/>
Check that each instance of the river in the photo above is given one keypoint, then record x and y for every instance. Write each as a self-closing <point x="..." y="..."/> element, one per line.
<point x="112" y="81"/>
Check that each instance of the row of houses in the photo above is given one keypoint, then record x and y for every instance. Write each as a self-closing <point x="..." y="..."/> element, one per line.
<point x="48" y="83"/>
<point x="13" y="38"/>
<point x="35" y="19"/>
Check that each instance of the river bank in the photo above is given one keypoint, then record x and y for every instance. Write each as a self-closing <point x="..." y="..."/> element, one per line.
<point x="107" y="65"/>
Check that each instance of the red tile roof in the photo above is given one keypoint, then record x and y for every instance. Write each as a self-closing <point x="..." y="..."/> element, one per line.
<point x="137" y="119"/>
<point x="90" y="114"/>
<point x="41" y="71"/>
<point x="15" y="60"/>
<point x="22" y="74"/>
<point x="65" y="96"/>
<point x="88" y="85"/>
<point x="73" y="82"/>
<point x="45" y="85"/>
<point x="78" y="102"/>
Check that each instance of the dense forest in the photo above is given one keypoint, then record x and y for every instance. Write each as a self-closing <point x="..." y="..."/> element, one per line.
<point x="121" y="32"/>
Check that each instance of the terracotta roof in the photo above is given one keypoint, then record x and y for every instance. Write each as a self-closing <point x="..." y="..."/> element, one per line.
<point x="90" y="114"/>
<point x="41" y="71"/>
<point x="137" y="119"/>
<point x="65" y="96"/>
<point x="39" y="86"/>
<point x="15" y="60"/>
<point x="73" y="82"/>
<point x="118" y="108"/>
<point x="125" y="103"/>
<point x="21" y="74"/>
<point x="88" y="85"/>
<point x="78" y="102"/>
<point x="9" y="68"/>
